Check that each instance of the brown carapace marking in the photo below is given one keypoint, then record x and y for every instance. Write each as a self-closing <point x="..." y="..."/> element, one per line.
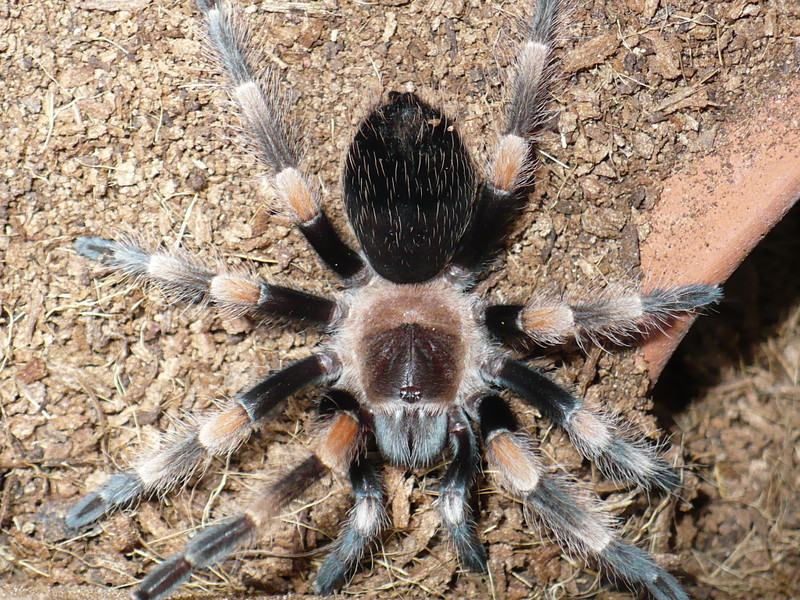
<point x="512" y="157"/>
<point x="413" y="362"/>
<point x="515" y="463"/>
<point x="413" y="339"/>
<point x="339" y="442"/>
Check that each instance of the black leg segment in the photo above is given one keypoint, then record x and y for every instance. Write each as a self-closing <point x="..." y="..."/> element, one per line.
<point x="325" y="240"/>
<point x="495" y="415"/>
<point x="554" y="402"/>
<point x="454" y="496"/>
<point x="503" y="322"/>
<point x="495" y="213"/>
<point x="367" y="519"/>
<point x="265" y="396"/>
<point x="297" y="305"/>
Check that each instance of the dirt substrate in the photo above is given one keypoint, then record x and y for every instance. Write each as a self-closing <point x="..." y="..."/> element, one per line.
<point x="112" y="123"/>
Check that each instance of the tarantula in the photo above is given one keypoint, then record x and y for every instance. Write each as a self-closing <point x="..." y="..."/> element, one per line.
<point x="413" y="362"/>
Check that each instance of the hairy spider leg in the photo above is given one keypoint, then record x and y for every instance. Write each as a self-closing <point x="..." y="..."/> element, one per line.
<point x="580" y="527"/>
<point x="219" y="433"/>
<point x="511" y="173"/>
<point x="219" y="540"/>
<point x="367" y="517"/>
<point x="618" y="455"/>
<point x="455" y="491"/>
<point x="550" y="320"/>
<point x="366" y="521"/>
<point x="272" y="139"/>
<point x="339" y="443"/>
<point x="184" y="277"/>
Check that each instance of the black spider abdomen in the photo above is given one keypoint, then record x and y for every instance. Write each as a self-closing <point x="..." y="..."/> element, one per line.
<point x="409" y="186"/>
<point x="413" y="363"/>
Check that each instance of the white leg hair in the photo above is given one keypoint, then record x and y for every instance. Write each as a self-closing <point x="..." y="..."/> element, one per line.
<point x="579" y="524"/>
<point x="184" y="277"/>
<point x="269" y="134"/>
<point x="619" y="455"/>
<point x="512" y="166"/>
<point x="158" y="471"/>
<point x="615" y="315"/>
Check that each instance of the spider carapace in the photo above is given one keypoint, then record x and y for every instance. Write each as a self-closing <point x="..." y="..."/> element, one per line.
<point x="413" y="363"/>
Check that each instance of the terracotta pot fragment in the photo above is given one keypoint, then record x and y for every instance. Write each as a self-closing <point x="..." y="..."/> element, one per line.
<point x="707" y="221"/>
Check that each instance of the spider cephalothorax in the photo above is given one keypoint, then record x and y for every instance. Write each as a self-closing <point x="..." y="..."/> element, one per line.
<point x="413" y="362"/>
<point x="411" y="354"/>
